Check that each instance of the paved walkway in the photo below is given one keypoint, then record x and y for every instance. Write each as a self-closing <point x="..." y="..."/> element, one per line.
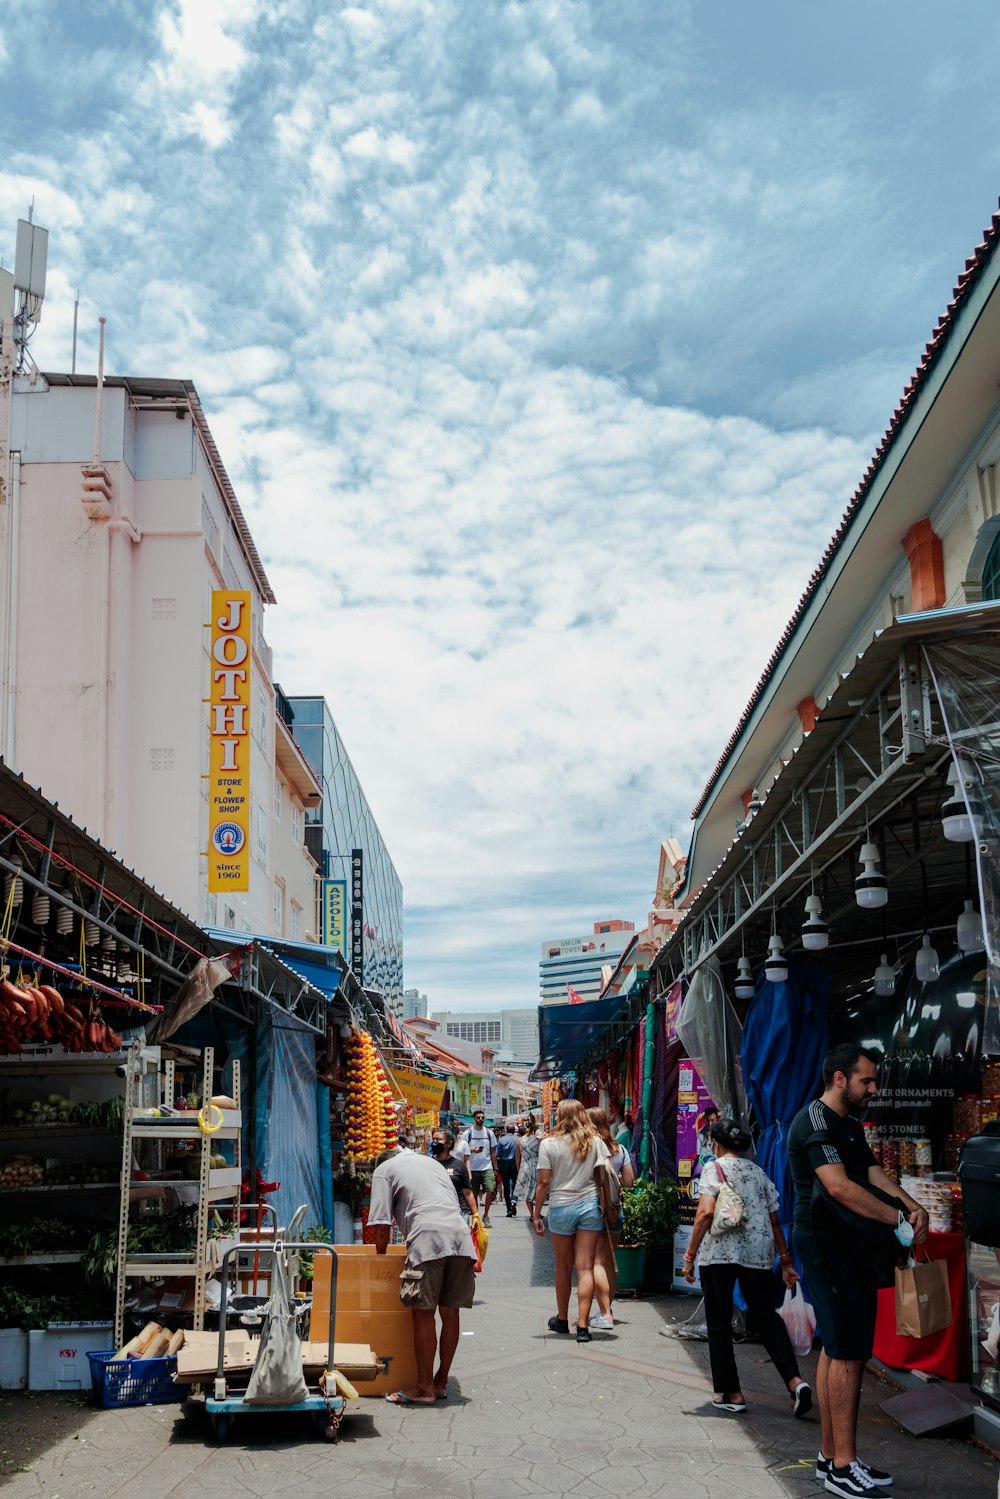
<point x="530" y="1414"/>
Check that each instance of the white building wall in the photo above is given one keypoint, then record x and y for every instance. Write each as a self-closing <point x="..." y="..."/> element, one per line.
<point x="137" y="784"/>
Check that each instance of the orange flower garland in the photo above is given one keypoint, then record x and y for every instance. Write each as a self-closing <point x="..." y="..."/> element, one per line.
<point x="371" y="1125"/>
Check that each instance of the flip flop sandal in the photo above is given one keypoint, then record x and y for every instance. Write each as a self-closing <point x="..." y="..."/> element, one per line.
<point x="400" y="1397"/>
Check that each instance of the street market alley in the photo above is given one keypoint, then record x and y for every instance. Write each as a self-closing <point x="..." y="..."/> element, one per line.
<point x="529" y="1413"/>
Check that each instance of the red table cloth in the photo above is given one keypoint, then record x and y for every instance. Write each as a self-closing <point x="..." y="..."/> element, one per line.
<point x="945" y="1354"/>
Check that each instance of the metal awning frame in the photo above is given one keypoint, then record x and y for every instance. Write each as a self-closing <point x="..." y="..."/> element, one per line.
<point x="800" y="837"/>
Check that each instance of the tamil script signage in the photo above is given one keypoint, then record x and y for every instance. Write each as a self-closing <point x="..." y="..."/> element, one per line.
<point x="422" y="1093"/>
<point x="229" y="742"/>
<point x="335" y="914"/>
<point x="358" y="913"/>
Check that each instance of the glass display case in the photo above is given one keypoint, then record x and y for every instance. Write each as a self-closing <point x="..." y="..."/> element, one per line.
<point x="983" y="1264"/>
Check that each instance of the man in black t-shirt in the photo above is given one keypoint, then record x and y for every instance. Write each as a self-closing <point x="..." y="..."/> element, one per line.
<point x="442" y="1144"/>
<point x="843" y="1293"/>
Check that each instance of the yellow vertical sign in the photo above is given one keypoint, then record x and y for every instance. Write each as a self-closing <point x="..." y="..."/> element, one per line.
<point x="229" y="747"/>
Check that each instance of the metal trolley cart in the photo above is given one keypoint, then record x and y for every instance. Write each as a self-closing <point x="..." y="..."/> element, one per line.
<point x="326" y="1407"/>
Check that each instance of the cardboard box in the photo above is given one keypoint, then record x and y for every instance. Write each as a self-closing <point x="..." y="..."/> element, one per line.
<point x="368" y="1310"/>
<point x="198" y="1358"/>
<point x="199" y="1354"/>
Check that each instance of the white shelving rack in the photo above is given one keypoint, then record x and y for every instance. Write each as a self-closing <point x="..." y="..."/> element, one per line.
<point x="215" y="1184"/>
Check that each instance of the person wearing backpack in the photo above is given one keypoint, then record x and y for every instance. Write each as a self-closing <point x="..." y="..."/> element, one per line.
<point x="836" y="1179"/>
<point x="605" y="1265"/>
<point x="736" y="1229"/>
<point x="483" y="1162"/>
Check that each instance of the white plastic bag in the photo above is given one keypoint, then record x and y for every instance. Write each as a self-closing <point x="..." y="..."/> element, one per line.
<point x="800" y="1320"/>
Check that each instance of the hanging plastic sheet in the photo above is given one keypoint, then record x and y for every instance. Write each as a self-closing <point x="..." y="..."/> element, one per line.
<point x="968" y="690"/>
<point x="287" y="1122"/>
<point x="784" y="1042"/>
<point x="710" y="1032"/>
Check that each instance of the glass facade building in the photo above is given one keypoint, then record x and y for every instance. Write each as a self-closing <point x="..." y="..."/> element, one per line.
<point x="345" y="822"/>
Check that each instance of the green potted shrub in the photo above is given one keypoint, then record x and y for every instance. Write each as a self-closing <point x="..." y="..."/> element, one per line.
<point x="651" y="1219"/>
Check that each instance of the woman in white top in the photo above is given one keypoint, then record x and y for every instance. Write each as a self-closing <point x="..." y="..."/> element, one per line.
<point x="567" y="1177"/>
<point x="606" y="1266"/>
<point x="744" y="1254"/>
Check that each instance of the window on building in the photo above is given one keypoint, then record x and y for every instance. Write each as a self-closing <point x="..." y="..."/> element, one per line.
<point x="279" y="910"/>
<point x="991" y="571"/>
<point x="260" y="718"/>
<point x="277" y="800"/>
<point x="296" y="921"/>
<point x="296" y="823"/>
<point x="261" y="834"/>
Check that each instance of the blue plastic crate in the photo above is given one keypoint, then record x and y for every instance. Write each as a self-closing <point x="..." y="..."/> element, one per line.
<point x="134" y="1381"/>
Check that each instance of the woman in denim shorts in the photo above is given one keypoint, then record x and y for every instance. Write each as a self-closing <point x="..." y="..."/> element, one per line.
<point x="567" y="1179"/>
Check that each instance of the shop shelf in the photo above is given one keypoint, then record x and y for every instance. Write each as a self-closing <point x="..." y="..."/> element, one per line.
<point x="43" y="1257"/>
<point x="50" y="1131"/>
<point x="153" y="1268"/>
<point x="61" y="1187"/>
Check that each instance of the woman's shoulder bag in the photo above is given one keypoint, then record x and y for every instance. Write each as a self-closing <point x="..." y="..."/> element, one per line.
<point x="730" y="1209"/>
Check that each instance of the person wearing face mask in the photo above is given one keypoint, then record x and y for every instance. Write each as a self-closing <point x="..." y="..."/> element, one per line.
<point x="442" y="1150"/>
<point x="826" y="1144"/>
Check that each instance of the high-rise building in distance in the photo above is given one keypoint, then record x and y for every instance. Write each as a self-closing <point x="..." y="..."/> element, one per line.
<point x="576" y="962"/>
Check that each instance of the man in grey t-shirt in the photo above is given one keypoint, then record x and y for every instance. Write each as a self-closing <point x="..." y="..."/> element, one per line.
<point x="438" y="1275"/>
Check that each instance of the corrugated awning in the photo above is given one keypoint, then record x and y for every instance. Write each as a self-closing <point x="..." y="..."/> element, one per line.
<point x="567" y="1033"/>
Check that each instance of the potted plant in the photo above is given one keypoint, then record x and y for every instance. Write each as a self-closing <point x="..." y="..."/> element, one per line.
<point x="651" y="1219"/>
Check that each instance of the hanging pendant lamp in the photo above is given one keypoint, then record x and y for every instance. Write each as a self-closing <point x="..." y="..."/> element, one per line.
<point x="744" y="987"/>
<point x="962" y="813"/>
<point x="776" y="964"/>
<point x="969" y="930"/>
<point x="885" y="979"/>
<point x="870" y="887"/>
<point x="815" y="932"/>
<point x="927" y="963"/>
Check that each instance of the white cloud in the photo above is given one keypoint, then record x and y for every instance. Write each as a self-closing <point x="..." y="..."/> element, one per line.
<point x="544" y="352"/>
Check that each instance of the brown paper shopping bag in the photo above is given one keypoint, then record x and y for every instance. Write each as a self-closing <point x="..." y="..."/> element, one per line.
<point x="923" y="1299"/>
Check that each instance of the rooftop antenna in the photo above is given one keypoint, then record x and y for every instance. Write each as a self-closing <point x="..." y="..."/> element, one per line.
<point x="30" y="258"/>
<point x="76" y="317"/>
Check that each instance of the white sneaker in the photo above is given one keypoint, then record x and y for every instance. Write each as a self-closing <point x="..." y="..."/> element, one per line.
<point x="602" y="1323"/>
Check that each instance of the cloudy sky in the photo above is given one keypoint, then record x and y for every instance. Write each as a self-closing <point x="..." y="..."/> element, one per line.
<point x="545" y="343"/>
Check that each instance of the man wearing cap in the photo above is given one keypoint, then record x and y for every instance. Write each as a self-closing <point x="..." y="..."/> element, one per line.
<point x="439" y="1274"/>
<point x="483" y="1161"/>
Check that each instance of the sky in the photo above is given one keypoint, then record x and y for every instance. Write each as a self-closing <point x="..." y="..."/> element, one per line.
<point x="544" y="343"/>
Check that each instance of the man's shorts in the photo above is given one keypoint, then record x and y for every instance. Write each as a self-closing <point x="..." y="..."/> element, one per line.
<point x="572" y="1216"/>
<point x="484" y="1181"/>
<point x="843" y="1296"/>
<point x="447" y="1282"/>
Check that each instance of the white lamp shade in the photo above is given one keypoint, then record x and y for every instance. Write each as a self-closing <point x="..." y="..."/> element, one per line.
<point x="885" y="978"/>
<point x="815" y="932"/>
<point x="969" y="930"/>
<point x="962" y="813"/>
<point x="870" y="890"/>
<point x="927" y="964"/>
<point x="744" y="987"/>
<point x="775" y="965"/>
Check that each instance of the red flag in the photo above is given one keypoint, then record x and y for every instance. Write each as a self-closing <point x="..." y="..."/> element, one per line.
<point x="574" y="998"/>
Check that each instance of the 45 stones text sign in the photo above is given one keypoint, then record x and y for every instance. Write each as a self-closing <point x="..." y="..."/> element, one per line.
<point x="229" y="748"/>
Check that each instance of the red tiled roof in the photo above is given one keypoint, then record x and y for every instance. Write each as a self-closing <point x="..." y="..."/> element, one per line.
<point x="974" y="267"/>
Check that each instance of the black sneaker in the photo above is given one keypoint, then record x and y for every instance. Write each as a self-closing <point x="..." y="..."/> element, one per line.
<point x="556" y="1324"/>
<point x="878" y="1476"/>
<point x="802" y="1400"/>
<point x="583" y="1335"/>
<point x="851" y="1482"/>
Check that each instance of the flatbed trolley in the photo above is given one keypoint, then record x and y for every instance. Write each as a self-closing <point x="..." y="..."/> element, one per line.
<point x="327" y="1409"/>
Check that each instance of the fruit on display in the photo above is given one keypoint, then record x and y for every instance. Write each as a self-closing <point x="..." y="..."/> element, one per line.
<point x="371" y="1123"/>
<point x="22" y="1171"/>
<point x="40" y="1013"/>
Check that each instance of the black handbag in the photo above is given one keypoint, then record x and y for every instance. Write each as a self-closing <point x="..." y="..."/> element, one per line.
<point x="861" y="1242"/>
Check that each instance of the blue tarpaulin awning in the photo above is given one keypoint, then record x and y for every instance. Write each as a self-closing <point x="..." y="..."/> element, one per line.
<point x="566" y="1033"/>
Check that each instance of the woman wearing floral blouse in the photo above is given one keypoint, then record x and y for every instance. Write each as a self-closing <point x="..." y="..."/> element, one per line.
<point x="744" y="1254"/>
